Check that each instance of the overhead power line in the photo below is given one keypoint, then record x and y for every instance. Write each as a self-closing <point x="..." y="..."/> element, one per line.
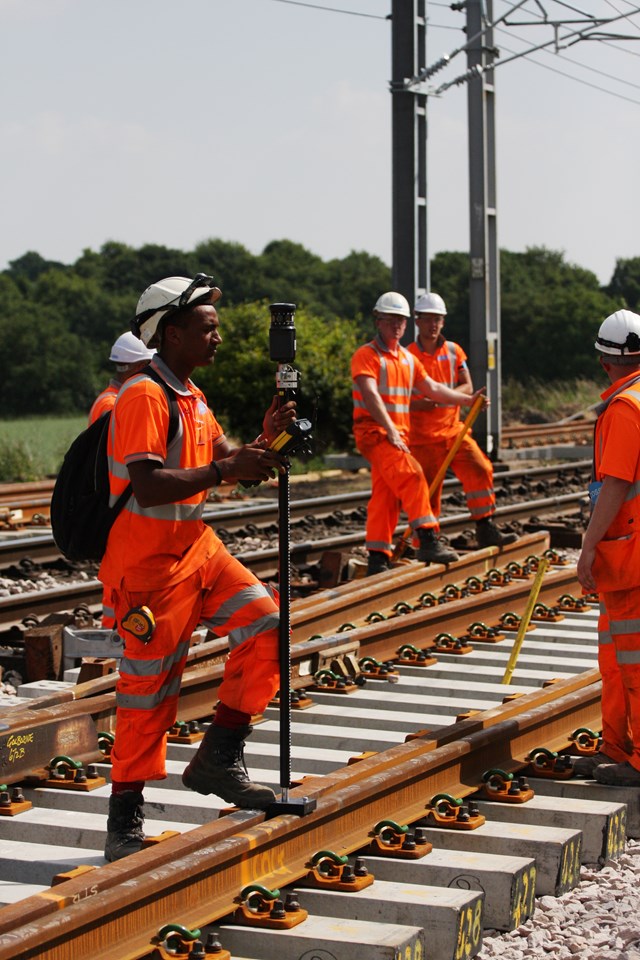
<point x="317" y="6"/>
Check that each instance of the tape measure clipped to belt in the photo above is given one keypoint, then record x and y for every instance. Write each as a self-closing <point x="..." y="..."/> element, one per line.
<point x="140" y="623"/>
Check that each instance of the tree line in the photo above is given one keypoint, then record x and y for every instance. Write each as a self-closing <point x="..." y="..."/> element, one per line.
<point x="58" y="322"/>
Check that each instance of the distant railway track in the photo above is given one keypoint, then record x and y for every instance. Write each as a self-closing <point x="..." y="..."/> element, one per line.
<point x="319" y="525"/>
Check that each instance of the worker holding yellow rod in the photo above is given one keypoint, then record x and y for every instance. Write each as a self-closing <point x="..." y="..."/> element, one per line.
<point x="438" y="437"/>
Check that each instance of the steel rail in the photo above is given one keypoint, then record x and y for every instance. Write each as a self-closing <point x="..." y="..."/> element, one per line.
<point x="61" y="721"/>
<point x="196" y="879"/>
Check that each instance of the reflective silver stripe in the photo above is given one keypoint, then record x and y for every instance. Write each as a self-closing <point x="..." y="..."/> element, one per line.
<point x="119" y="470"/>
<point x="108" y="611"/>
<point x="379" y="545"/>
<point x="479" y="512"/>
<point x="155" y="667"/>
<point x="270" y="621"/>
<point x="359" y="404"/>
<point x="619" y="627"/>
<point x="476" y="494"/>
<point x="422" y="521"/>
<point x="604" y="638"/>
<point x="383" y="383"/>
<point x="226" y="610"/>
<point x="451" y="355"/>
<point x="152" y="700"/>
<point x="168" y="511"/>
<point x="633" y="491"/>
<point x="628" y="656"/>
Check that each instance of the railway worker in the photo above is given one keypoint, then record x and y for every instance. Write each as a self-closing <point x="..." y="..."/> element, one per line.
<point x="435" y="426"/>
<point x="610" y="559"/>
<point x="384" y="375"/>
<point x="130" y="356"/>
<point x="171" y="572"/>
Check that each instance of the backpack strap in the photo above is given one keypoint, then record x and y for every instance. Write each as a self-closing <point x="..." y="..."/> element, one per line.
<point x="172" y="401"/>
<point x="174" y="420"/>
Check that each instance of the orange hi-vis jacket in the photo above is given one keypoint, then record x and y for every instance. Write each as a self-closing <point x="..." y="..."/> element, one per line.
<point x="395" y="377"/>
<point x="155" y="547"/>
<point x="443" y="366"/>
<point x="617" y="449"/>
<point x="104" y="401"/>
<point x="617" y="454"/>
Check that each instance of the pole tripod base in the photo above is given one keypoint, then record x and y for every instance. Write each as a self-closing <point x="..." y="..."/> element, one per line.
<point x="298" y="806"/>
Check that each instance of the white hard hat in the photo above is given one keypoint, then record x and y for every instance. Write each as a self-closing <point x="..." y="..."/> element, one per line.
<point x="430" y="303"/>
<point x="619" y="334"/>
<point x="128" y="349"/>
<point x="392" y="303"/>
<point x="167" y="296"/>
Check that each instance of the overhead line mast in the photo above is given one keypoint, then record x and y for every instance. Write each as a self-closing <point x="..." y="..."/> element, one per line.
<point x="409" y="92"/>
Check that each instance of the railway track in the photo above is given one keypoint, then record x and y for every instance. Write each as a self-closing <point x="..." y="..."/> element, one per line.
<point x="436" y="723"/>
<point x="319" y="525"/>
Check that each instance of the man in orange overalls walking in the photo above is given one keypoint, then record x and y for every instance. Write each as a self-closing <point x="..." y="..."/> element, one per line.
<point x="385" y="375"/>
<point x="435" y="426"/>
<point x="610" y="557"/>
<point x="170" y="572"/>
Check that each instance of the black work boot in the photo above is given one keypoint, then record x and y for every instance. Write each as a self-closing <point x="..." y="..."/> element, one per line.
<point x="218" y="767"/>
<point x="433" y="550"/>
<point x="124" y="826"/>
<point x="488" y="535"/>
<point x="378" y="561"/>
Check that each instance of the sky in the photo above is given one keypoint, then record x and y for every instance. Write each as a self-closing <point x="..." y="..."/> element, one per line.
<point x="176" y="121"/>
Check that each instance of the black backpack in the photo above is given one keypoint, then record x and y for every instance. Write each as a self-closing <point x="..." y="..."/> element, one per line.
<point x="81" y="517"/>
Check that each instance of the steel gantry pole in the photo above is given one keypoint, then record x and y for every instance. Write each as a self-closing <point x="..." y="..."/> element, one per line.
<point x="410" y="264"/>
<point x="484" y="282"/>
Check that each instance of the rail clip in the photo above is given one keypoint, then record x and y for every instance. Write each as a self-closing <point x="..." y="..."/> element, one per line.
<point x="545" y="614"/>
<point x="570" y="603"/>
<point x="329" y="871"/>
<point x="586" y="741"/>
<point x="483" y="633"/>
<point x="446" y="643"/>
<point x="11" y="804"/>
<point x="373" y="669"/>
<point x="392" y="840"/>
<point x="175" y="940"/>
<point x="547" y="763"/>
<point x="261" y="907"/>
<point x="68" y="774"/>
<point x="501" y="787"/>
<point x="327" y="680"/>
<point x="408" y="654"/>
<point x="452" y="814"/>
<point x="183" y="732"/>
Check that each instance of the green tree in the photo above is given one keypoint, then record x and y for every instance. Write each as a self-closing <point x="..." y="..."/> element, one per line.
<point x="624" y="287"/>
<point x="240" y="385"/>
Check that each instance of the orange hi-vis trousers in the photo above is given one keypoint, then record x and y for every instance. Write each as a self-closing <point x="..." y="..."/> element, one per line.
<point x="471" y="466"/>
<point x="108" y="613"/>
<point x="223" y="596"/>
<point x="619" y="665"/>
<point x="396" y="480"/>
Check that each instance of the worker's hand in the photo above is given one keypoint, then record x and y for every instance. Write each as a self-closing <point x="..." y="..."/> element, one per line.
<point x="395" y="439"/>
<point x="278" y="418"/>
<point x="584" y="569"/>
<point x="252" y="462"/>
<point x="471" y="398"/>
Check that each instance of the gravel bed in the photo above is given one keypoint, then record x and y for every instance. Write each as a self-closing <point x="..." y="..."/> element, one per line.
<point x="598" y="920"/>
